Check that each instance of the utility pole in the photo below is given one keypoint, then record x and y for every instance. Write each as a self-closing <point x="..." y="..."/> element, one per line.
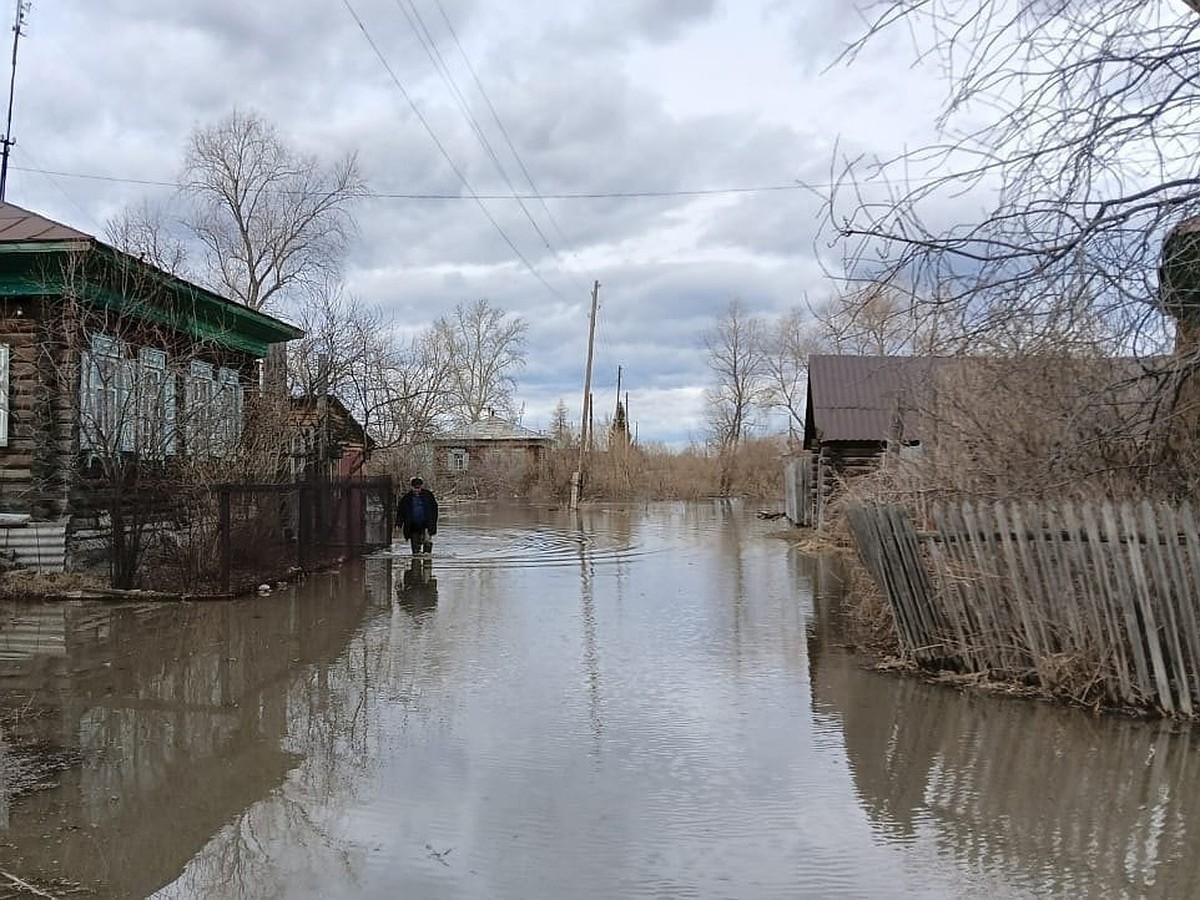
<point x="584" y="436"/>
<point x="7" y="141"/>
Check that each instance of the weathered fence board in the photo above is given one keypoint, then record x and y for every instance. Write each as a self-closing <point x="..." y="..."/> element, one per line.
<point x="1096" y="600"/>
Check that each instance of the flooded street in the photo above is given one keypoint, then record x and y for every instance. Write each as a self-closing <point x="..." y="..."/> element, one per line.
<point x="646" y="701"/>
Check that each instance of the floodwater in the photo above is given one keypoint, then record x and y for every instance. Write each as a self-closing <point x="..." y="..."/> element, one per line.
<point x="647" y="701"/>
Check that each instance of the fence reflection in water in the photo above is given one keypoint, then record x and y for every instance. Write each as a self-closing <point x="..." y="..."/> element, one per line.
<point x="1064" y="802"/>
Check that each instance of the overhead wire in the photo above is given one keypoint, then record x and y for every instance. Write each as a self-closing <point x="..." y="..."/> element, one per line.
<point x="419" y="28"/>
<point x="52" y="177"/>
<point x="446" y="154"/>
<point x="414" y="195"/>
<point x="499" y="123"/>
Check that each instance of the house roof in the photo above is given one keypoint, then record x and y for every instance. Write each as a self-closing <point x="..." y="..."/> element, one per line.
<point x="493" y="428"/>
<point x="20" y="225"/>
<point x="28" y="240"/>
<point x="864" y="398"/>
<point x="857" y="398"/>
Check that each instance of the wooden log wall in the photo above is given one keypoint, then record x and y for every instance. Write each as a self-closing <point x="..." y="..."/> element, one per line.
<point x="1095" y="601"/>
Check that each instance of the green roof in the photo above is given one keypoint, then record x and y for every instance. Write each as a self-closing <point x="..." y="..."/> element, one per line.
<point x="38" y="258"/>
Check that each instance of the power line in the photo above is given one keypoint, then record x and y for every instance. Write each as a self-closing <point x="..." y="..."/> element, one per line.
<point x="412" y="195"/>
<point x="446" y="155"/>
<point x="51" y="177"/>
<point x="499" y="124"/>
<point x="419" y="28"/>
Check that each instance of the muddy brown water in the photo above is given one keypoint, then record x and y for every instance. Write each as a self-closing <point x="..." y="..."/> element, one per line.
<point x="647" y="701"/>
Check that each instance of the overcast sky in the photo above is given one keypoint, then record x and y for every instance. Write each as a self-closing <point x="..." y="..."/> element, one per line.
<point x="605" y="97"/>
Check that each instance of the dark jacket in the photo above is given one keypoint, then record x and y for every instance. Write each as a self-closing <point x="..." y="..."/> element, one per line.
<point x="405" y="510"/>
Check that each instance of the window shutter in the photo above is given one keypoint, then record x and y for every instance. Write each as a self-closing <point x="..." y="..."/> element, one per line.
<point x="89" y="405"/>
<point x="4" y="392"/>
<point x="200" y="411"/>
<point x="126" y="418"/>
<point x="169" y="413"/>
<point x="151" y="401"/>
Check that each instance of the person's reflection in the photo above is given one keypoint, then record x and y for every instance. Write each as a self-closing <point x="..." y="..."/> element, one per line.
<point x="418" y="591"/>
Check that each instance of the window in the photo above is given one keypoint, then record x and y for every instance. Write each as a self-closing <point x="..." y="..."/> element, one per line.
<point x="198" y="400"/>
<point x="227" y="412"/>
<point x="4" y="405"/>
<point x="214" y="401"/>
<point x="457" y="461"/>
<point x="155" y="404"/>
<point x="106" y="421"/>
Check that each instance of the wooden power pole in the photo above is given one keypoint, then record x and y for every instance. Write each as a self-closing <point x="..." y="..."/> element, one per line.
<point x="585" y="417"/>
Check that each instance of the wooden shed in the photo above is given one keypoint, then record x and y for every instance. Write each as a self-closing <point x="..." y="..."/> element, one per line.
<point x="857" y="407"/>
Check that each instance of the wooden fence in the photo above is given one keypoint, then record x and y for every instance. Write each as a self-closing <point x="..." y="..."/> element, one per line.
<point x="1099" y="601"/>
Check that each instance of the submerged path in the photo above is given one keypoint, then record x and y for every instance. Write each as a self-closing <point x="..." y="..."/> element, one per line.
<point x="641" y="701"/>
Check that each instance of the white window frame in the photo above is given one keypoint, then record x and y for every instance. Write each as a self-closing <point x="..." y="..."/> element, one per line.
<point x="155" y="404"/>
<point x="5" y="381"/>
<point x="198" y="400"/>
<point x="458" y="460"/>
<point x="105" y="389"/>
<point x="228" y="399"/>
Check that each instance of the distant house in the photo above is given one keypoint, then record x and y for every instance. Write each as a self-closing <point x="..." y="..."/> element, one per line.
<point x="326" y="440"/>
<point x="105" y="357"/>
<point x="489" y="456"/>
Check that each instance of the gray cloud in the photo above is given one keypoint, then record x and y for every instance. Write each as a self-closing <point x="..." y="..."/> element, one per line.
<point x="116" y="88"/>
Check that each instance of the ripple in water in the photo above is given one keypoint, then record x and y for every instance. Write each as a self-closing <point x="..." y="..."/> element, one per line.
<point x="523" y="547"/>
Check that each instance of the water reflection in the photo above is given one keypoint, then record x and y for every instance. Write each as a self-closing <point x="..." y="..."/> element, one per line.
<point x="178" y="715"/>
<point x="418" y="593"/>
<point x="1056" y="801"/>
<point x="658" y="707"/>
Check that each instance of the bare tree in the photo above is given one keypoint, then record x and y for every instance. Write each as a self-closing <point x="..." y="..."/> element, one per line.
<point x="874" y="320"/>
<point x="1077" y="129"/>
<point x="145" y="231"/>
<point x="269" y="217"/>
<point x="788" y="343"/>
<point x="480" y="349"/>
<point x="736" y="358"/>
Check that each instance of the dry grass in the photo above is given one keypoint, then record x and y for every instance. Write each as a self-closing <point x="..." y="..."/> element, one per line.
<point x="1030" y="429"/>
<point x="655" y="472"/>
<point x="26" y="584"/>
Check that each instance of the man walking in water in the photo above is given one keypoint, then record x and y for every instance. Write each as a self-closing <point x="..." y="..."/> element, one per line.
<point x="417" y="513"/>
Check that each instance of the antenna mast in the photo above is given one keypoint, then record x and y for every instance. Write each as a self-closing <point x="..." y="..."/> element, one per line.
<point x="7" y="141"/>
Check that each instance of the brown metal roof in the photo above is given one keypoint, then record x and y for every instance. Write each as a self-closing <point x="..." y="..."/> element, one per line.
<point x="857" y="398"/>
<point x="864" y="398"/>
<point x="19" y="225"/>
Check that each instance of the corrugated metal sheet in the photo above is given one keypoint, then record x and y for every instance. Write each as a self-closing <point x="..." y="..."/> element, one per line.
<point x="33" y="631"/>
<point x="861" y="398"/>
<point x="39" y="545"/>
<point x="857" y="398"/>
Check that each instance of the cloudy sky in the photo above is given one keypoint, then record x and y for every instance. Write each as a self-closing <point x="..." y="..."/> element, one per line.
<point x="611" y="98"/>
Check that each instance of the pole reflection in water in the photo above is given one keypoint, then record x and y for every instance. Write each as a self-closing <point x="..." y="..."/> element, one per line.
<point x="640" y="701"/>
<point x="591" y="658"/>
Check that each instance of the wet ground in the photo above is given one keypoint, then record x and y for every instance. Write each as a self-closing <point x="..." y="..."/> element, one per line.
<point x="629" y="702"/>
